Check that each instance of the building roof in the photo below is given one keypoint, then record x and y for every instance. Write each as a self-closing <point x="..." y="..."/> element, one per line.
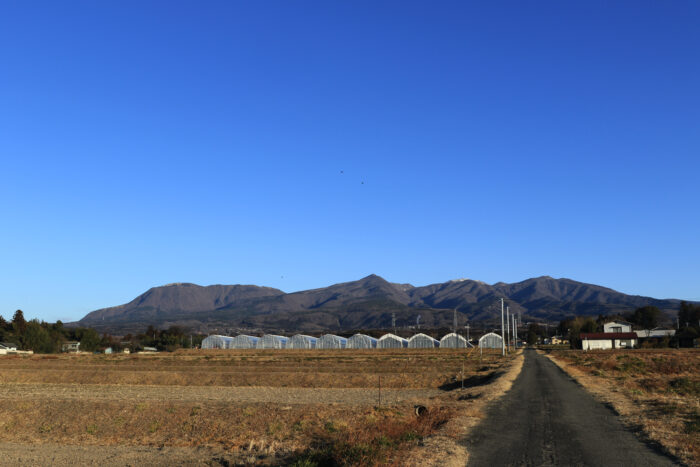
<point x="608" y="335"/>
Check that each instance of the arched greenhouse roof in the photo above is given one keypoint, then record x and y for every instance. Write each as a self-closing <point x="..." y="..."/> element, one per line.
<point x="362" y="341"/>
<point x="331" y="341"/>
<point x="391" y="341"/>
<point x="422" y="341"/>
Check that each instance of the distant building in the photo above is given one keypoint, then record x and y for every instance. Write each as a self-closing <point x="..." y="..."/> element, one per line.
<point x="617" y="326"/>
<point x="7" y="347"/>
<point x="656" y="333"/>
<point x="608" y="340"/>
<point x="70" y="347"/>
<point x="149" y="350"/>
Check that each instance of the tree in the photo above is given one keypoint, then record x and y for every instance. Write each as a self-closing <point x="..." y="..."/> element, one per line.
<point x="647" y="317"/>
<point x="19" y="324"/>
<point x="37" y="338"/>
<point x="689" y="315"/>
<point x="533" y="333"/>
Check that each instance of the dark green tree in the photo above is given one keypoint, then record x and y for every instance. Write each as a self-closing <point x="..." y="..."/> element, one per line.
<point x="19" y="324"/>
<point x="37" y="338"/>
<point x="647" y="317"/>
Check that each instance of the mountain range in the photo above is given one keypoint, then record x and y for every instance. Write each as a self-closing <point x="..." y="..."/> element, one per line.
<point x="367" y="303"/>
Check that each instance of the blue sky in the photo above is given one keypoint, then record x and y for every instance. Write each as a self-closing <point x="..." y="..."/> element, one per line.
<point x="299" y="144"/>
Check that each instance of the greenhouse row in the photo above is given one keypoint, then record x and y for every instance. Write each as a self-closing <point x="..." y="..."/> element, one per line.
<point x="358" y="341"/>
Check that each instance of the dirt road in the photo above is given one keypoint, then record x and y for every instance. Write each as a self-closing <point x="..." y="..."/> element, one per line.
<point x="546" y="419"/>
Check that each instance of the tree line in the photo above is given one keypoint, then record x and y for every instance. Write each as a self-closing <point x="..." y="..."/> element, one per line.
<point x="646" y="317"/>
<point x="42" y="337"/>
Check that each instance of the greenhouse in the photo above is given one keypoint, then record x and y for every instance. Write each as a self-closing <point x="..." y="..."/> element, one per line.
<point x="390" y="341"/>
<point x="454" y="341"/>
<point x="244" y="342"/>
<point x="330" y="341"/>
<point x="422" y="341"/>
<point x="272" y="341"/>
<point x="302" y="341"/>
<point x="216" y="341"/>
<point x="362" y="341"/>
<point x="491" y="341"/>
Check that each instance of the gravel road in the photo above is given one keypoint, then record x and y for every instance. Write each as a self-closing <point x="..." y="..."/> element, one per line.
<point x="547" y="419"/>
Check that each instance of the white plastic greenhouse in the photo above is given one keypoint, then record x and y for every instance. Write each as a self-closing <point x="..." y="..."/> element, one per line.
<point x="454" y="341"/>
<point x="244" y="342"/>
<point x="272" y="341"/>
<point x="216" y="341"/>
<point x="301" y="341"/>
<point x="422" y="341"/>
<point x="491" y="341"/>
<point x="331" y="341"/>
<point x="362" y="341"/>
<point x="390" y="341"/>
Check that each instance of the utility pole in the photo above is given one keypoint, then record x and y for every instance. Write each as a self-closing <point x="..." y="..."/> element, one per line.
<point x="454" y="320"/>
<point x="508" y="327"/>
<point x="393" y="321"/>
<point x="503" y="334"/>
<point x="515" y="338"/>
<point x="467" y="326"/>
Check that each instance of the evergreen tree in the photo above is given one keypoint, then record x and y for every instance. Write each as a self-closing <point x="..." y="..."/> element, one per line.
<point x="19" y="324"/>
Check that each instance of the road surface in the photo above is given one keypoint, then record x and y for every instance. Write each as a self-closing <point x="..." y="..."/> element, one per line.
<point x="547" y="419"/>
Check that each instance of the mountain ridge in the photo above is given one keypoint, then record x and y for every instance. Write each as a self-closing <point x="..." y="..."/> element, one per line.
<point x="365" y="303"/>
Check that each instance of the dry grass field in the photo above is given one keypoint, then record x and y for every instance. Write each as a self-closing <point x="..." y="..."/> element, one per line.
<point x="656" y="391"/>
<point x="237" y="407"/>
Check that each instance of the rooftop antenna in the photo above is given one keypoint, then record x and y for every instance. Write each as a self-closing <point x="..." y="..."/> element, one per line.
<point x="393" y="321"/>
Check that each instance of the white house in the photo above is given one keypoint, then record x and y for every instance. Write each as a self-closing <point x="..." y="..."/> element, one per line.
<point x="617" y="326"/>
<point x="608" y="340"/>
<point x="6" y="347"/>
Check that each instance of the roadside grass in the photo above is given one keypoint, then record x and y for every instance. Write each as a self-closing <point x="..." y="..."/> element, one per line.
<point x="655" y="389"/>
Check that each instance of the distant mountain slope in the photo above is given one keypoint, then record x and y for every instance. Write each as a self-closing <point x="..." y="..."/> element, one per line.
<point x="159" y="302"/>
<point x="365" y="303"/>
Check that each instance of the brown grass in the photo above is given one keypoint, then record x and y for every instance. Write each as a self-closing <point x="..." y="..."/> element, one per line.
<point x="188" y="399"/>
<point x="656" y="391"/>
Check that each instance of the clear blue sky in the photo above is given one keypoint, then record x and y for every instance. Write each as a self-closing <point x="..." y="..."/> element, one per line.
<point x="299" y="144"/>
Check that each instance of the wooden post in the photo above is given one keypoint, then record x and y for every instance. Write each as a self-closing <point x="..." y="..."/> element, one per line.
<point x="380" y="390"/>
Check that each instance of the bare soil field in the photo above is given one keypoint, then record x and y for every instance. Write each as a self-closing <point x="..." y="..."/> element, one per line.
<point x="235" y="407"/>
<point x="656" y="391"/>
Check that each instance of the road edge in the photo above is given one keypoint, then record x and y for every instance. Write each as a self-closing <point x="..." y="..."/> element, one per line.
<point x="445" y="447"/>
<point x="625" y="414"/>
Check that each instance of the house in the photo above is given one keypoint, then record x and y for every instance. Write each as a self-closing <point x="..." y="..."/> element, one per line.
<point x="7" y="347"/>
<point x="617" y="326"/>
<point x="608" y="340"/>
<point x="657" y="333"/>
<point x="556" y="340"/>
<point x="70" y="347"/>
